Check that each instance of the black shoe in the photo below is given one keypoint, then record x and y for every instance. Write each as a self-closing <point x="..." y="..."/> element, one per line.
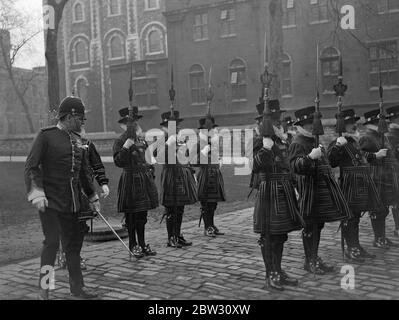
<point x="286" y="280"/>
<point x="353" y="254"/>
<point x="217" y="232"/>
<point x="183" y="241"/>
<point x="365" y="254"/>
<point x="138" y="252"/>
<point x="210" y="232"/>
<point x="380" y="244"/>
<point x="84" y="294"/>
<point x="43" y="294"/>
<point x="314" y="267"/>
<point x="274" y="282"/>
<point x="390" y="243"/>
<point x="148" y="251"/>
<point x="172" y="242"/>
<point x="324" y="266"/>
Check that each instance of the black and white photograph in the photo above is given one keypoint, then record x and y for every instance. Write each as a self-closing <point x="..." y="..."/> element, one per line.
<point x="199" y="156"/>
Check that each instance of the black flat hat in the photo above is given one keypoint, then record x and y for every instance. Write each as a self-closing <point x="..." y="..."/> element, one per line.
<point x="393" y="112"/>
<point x="349" y="116"/>
<point x="288" y="120"/>
<point x="166" y="117"/>
<point x="124" y="114"/>
<point x="202" y="123"/>
<point x="274" y="106"/>
<point x="372" y="116"/>
<point x="304" y="115"/>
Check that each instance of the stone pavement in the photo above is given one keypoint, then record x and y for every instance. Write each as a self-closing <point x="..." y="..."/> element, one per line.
<point x="227" y="267"/>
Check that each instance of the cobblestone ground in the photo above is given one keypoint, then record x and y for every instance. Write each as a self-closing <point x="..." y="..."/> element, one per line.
<point x="227" y="267"/>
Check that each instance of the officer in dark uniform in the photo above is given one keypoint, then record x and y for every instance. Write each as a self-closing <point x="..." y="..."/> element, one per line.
<point x="55" y="172"/>
<point x="137" y="193"/>
<point x="356" y="183"/>
<point x="320" y="198"/>
<point x="276" y="205"/>
<point x="384" y="168"/>
<point x="393" y="137"/>
<point x="209" y="177"/>
<point x="178" y="187"/>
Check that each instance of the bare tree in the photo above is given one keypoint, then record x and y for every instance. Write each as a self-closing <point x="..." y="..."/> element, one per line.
<point x="12" y="20"/>
<point x="55" y="9"/>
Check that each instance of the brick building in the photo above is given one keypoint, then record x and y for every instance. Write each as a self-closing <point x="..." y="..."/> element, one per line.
<point x="32" y="85"/>
<point x="99" y="35"/>
<point x="229" y="35"/>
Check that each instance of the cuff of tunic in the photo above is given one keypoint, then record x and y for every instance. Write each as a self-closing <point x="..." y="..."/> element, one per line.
<point x="94" y="198"/>
<point x="36" y="193"/>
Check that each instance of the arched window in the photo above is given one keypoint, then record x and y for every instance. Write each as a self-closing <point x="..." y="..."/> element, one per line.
<point x="238" y="79"/>
<point x="78" y="12"/>
<point x="116" y="47"/>
<point x="155" y="42"/>
<point x="81" y="52"/>
<point x="286" y="78"/>
<point x="82" y="89"/>
<point x="197" y="84"/>
<point x="329" y="67"/>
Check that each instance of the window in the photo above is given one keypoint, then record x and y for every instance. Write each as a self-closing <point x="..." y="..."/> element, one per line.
<point x="201" y="27"/>
<point x="197" y="84"/>
<point x="78" y="12"/>
<point x="228" y="22"/>
<point x="238" y="80"/>
<point x="155" y="42"/>
<point x="116" y="50"/>
<point x="81" y="52"/>
<point x="289" y="14"/>
<point x="329" y="68"/>
<point x="151" y="4"/>
<point x="385" y="6"/>
<point x="384" y="56"/>
<point x="114" y="7"/>
<point x="286" y="76"/>
<point x="318" y="11"/>
<point x="146" y="92"/>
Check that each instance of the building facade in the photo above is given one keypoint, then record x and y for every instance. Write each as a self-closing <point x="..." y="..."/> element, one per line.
<point x="97" y="35"/>
<point x="229" y="36"/>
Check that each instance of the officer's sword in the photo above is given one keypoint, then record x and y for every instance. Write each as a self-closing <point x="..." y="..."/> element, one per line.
<point x="114" y="232"/>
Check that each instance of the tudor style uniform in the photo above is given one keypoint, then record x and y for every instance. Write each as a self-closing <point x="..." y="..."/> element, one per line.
<point x="137" y="193"/>
<point x="384" y="173"/>
<point x="210" y="180"/>
<point x="276" y="210"/>
<point x="178" y="187"/>
<point x="320" y="198"/>
<point x="393" y="137"/>
<point x="56" y="170"/>
<point x="357" y="186"/>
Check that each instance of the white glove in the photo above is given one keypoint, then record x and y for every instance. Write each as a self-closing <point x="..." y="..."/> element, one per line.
<point x="171" y="140"/>
<point x="40" y="203"/>
<point x="105" y="189"/>
<point x="129" y="142"/>
<point x="341" y="141"/>
<point x="381" y="154"/>
<point x="268" y="143"/>
<point x="206" y="150"/>
<point x="315" y="154"/>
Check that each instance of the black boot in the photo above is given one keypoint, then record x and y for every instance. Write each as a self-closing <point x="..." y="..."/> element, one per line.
<point x="131" y="229"/>
<point x="311" y="264"/>
<point x="170" y="226"/>
<point x="352" y="252"/>
<point x="179" y="220"/>
<point x="319" y="262"/>
<point x="212" y="208"/>
<point x="272" y="276"/>
<point x="208" y="230"/>
<point x="285" y="279"/>
<point x="378" y="225"/>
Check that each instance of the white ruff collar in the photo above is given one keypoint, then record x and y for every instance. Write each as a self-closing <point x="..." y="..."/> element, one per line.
<point x="280" y="133"/>
<point x="394" y="126"/>
<point x="304" y="132"/>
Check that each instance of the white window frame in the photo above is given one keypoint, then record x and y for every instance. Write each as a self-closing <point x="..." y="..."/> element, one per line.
<point x="286" y="61"/>
<point x="193" y="73"/>
<point x="153" y="29"/>
<point x="148" y="8"/>
<point x="74" y="20"/>
<point x="202" y="26"/>
<point x="74" y="52"/>
<point x="225" y="18"/>
<point x="110" y="58"/>
<point x="289" y="7"/>
<point x="314" y="3"/>
<point x="231" y="73"/>
<point x="109" y="8"/>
